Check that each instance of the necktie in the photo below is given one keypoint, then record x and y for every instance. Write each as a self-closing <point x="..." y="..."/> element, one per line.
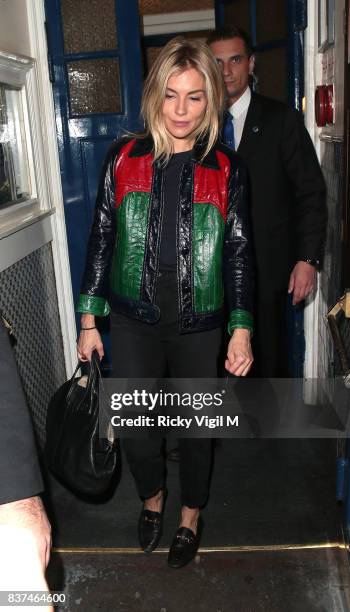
<point x="229" y="133"/>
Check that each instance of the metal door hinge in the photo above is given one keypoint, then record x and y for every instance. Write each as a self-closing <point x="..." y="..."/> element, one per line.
<point x="9" y="329"/>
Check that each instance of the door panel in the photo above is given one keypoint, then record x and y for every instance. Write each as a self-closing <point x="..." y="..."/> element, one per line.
<point x="237" y="12"/>
<point x="88" y="25"/>
<point x="94" y="86"/>
<point x="271" y="21"/>
<point x="95" y="66"/>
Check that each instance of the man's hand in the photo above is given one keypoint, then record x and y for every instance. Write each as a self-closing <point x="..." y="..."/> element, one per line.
<point x="302" y="281"/>
<point x="239" y="353"/>
<point x="30" y="514"/>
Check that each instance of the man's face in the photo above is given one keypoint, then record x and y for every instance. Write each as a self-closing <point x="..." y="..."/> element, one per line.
<point x="235" y="65"/>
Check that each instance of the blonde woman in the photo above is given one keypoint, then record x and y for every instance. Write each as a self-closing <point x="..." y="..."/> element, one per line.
<point x="169" y="241"/>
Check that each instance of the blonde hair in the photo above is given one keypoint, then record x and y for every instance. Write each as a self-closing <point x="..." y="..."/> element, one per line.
<point x="181" y="54"/>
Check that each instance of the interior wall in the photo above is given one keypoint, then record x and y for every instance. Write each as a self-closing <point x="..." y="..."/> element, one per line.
<point x="14" y="31"/>
<point x="332" y="150"/>
<point x="29" y="285"/>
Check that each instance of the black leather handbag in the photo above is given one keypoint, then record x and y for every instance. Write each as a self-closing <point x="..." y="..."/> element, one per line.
<point x="75" y="451"/>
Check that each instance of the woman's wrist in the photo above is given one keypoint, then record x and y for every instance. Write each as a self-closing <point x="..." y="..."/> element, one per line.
<point x="87" y="320"/>
<point x="242" y="332"/>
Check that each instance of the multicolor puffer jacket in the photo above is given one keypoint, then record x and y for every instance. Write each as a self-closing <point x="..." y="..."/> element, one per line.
<point x="213" y="245"/>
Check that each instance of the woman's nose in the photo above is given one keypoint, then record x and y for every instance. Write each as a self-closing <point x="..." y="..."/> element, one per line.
<point x="181" y="107"/>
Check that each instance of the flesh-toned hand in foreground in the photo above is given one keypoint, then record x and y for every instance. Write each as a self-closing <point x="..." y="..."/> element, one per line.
<point x="25" y="544"/>
<point x="30" y="514"/>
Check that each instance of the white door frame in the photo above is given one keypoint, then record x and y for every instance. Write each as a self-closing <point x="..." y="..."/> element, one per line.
<point x="37" y="37"/>
<point x="312" y="63"/>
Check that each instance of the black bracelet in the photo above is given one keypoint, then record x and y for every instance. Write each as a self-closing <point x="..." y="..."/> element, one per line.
<point x="87" y="328"/>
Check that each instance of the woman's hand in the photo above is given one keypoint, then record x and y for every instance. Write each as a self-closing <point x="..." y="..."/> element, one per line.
<point x="89" y="339"/>
<point x="239" y="353"/>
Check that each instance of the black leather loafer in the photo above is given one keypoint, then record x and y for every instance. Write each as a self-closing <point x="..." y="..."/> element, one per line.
<point x="150" y="528"/>
<point x="184" y="546"/>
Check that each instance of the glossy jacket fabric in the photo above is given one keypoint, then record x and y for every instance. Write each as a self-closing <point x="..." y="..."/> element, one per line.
<point x="213" y="246"/>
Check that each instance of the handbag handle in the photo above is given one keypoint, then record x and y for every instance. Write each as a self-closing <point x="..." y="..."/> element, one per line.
<point x="94" y="371"/>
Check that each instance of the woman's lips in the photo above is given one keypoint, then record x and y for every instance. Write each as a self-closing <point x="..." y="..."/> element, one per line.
<point x="181" y="124"/>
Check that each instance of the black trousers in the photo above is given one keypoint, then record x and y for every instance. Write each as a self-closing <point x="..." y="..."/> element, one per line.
<point x="269" y="342"/>
<point x="141" y="350"/>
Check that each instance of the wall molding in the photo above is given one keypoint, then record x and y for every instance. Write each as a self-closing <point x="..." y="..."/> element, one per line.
<point x="19" y="244"/>
<point x="14" y="68"/>
<point x="182" y="21"/>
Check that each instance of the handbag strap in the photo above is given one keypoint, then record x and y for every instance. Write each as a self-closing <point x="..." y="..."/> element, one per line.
<point x="94" y="371"/>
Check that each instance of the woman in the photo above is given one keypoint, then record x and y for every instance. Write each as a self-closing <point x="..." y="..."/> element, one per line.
<point x="169" y="238"/>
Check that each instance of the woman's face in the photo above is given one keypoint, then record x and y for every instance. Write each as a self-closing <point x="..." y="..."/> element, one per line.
<point x="184" y="107"/>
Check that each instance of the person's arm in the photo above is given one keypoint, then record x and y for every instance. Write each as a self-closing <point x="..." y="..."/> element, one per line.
<point x="310" y="213"/>
<point x="238" y="272"/>
<point x="93" y="299"/>
<point x="21" y="480"/>
<point x="19" y="465"/>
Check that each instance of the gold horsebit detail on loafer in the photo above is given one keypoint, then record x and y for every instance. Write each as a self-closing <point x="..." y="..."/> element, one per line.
<point x="185" y="538"/>
<point x="151" y="520"/>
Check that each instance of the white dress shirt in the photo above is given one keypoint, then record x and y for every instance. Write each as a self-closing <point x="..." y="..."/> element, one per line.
<point x="239" y="111"/>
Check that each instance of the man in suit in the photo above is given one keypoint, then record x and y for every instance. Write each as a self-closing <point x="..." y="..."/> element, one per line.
<point x="288" y="197"/>
<point x="25" y="533"/>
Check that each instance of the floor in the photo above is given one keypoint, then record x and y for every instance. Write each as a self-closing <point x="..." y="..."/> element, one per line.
<point x="272" y="539"/>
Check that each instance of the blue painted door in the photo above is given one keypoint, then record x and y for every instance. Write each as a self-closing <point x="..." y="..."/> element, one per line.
<point x="96" y="74"/>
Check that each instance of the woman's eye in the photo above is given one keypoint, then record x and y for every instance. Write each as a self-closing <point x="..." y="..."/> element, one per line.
<point x="195" y="99"/>
<point x="167" y="95"/>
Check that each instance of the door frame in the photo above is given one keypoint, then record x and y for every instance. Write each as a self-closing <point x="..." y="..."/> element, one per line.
<point x="38" y="44"/>
<point x="346" y="204"/>
<point x="313" y="72"/>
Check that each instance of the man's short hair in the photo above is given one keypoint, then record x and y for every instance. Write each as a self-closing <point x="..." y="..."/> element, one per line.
<point x="231" y="32"/>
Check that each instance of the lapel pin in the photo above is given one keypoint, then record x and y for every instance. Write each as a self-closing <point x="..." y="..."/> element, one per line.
<point x="255" y="129"/>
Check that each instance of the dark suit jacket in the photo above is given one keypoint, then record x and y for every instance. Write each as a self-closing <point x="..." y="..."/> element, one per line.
<point x="19" y="467"/>
<point x="288" y="194"/>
